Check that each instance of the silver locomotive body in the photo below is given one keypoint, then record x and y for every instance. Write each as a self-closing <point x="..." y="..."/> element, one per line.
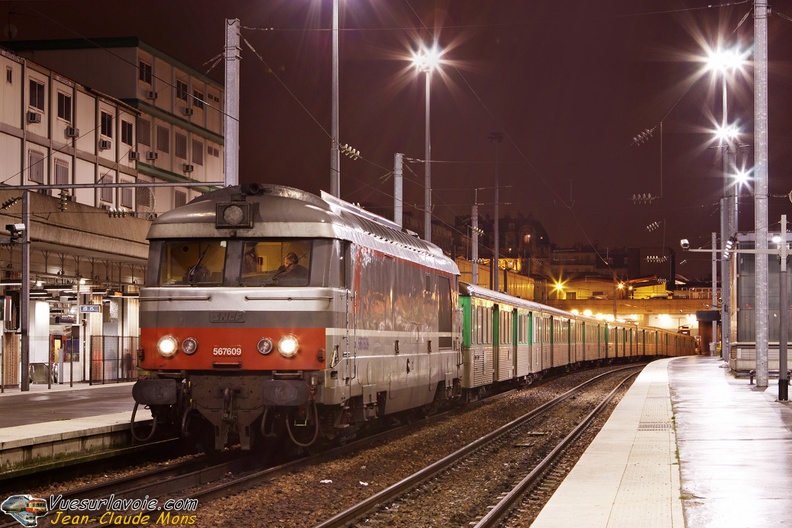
<point x="269" y="312"/>
<point x="234" y="340"/>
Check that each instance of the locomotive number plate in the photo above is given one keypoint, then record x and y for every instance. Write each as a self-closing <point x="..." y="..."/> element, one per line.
<point x="227" y="351"/>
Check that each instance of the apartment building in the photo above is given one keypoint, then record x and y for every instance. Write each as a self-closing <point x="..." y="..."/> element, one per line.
<point x="91" y="118"/>
<point x="177" y="135"/>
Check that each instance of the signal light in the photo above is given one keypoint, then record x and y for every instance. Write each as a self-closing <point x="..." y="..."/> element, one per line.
<point x="232" y="215"/>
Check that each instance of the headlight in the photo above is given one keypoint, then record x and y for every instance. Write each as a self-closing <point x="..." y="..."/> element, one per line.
<point x="167" y="346"/>
<point x="264" y="346"/>
<point x="288" y="346"/>
<point x="189" y="346"/>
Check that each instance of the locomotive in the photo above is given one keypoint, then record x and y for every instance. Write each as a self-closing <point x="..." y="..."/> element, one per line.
<point x="270" y="313"/>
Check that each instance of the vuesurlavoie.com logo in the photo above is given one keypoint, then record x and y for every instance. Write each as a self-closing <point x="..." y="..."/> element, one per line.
<point x="111" y="510"/>
<point x="25" y="509"/>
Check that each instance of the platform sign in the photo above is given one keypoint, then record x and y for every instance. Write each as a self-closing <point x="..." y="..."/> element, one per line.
<point x="90" y="308"/>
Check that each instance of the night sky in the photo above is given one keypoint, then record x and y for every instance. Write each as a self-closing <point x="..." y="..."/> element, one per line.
<point x="569" y="84"/>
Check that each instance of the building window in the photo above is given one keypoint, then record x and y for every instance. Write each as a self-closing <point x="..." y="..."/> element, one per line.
<point x="163" y="139"/>
<point x="106" y="125"/>
<point x="126" y="132"/>
<point x="213" y="151"/>
<point x="36" y="95"/>
<point x="198" y="101"/>
<point x="61" y="172"/>
<point x="181" y="90"/>
<point x="197" y="152"/>
<point x="65" y="107"/>
<point x="36" y="166"/>
<point x="9" y="75"/>
<point x="127" y="197"/>
<point x="106" y="192"/>
<point x="179" y="198"/>
<point x="180" y="145"/>
<point x="144" y="132"/>
<point x="144" y="73"/>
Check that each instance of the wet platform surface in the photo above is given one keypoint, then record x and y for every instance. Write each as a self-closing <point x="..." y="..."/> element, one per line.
<point x="735" y="447"/>
<point x="61" y="402"/>
<point x="690" y="446"/>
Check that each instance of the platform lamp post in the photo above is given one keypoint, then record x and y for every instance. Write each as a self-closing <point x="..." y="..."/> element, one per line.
<point x="426" y="60"/>
<point x="725" y="135"/>
<point x="20" y="234"/>
<point x="723" y="62"/>
<point x="783" y="374"/>
<point x="24" y="309"/>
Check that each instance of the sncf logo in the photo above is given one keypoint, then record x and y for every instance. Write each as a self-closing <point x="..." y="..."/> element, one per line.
<point x="227" y="317"/>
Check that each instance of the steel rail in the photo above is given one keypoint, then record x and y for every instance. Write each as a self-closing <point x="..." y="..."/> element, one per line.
<point x="501" y="510"/>
<point x="346" y="517"/>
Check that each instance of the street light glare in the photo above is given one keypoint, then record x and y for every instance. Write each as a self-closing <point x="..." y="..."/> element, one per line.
<point x="427" y="59"/>
<point x="742" y="177"/>
<point x="725" y="60"/>
<point x="727" y="133"/>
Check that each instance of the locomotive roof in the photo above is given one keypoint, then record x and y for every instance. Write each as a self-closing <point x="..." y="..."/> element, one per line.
<point x="285" y="212"/>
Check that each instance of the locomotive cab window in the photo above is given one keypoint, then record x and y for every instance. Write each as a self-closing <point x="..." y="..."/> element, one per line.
<point x="276" y="263"/>
<point x="192" y="262"/>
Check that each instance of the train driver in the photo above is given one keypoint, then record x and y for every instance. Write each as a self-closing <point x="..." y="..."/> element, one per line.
<point x="292" y="268"/>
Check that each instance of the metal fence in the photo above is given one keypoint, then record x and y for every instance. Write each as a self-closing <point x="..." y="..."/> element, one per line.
<point x="113" y="359"/>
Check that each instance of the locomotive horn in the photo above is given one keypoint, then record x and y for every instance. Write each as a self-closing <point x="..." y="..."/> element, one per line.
<point x="251" y="189"/>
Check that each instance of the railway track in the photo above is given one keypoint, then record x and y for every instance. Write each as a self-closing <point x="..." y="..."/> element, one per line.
<point x="197" y="479"/>
<point x="201" y="481"/>
<point x="502" y="466"/>
<point x="147" y="483"/>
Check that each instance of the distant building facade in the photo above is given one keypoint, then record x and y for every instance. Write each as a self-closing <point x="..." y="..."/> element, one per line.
<point x="92" y="118"/>
<point x="176" y="135"/>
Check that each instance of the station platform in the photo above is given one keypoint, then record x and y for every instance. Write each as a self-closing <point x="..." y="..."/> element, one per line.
<point x="689" y="445"/>
<point x="62" y="402"/>
<point x="47" y="422"/>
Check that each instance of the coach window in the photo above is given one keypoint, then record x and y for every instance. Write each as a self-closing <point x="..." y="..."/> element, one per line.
<point x="487" y="337"/>
<point x="445" y="312"/>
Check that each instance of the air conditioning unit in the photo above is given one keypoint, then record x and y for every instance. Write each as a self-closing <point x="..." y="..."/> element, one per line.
<point x="72" y="132"/>
<point x="188" y="111"/>
<point x="187" y="167"/>
<point x="151" y="155"/>
<point x="104" y="144"/>
<point x="133" y="156"/>
<point x="151" y="94"/>
<point x="33" y="117"/>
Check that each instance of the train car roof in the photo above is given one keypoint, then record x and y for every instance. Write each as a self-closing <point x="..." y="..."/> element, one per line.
<point x="466" y="289"/>
<point x="279" y="211"/>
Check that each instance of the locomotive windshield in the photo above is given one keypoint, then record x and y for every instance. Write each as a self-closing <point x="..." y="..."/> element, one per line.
<point x="275" y="262"/>
<point x="281" y="262"/>
<point x="192" y="262"/>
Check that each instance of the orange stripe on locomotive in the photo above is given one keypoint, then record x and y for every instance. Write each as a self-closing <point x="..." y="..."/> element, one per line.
<point x="217" y="349"/>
